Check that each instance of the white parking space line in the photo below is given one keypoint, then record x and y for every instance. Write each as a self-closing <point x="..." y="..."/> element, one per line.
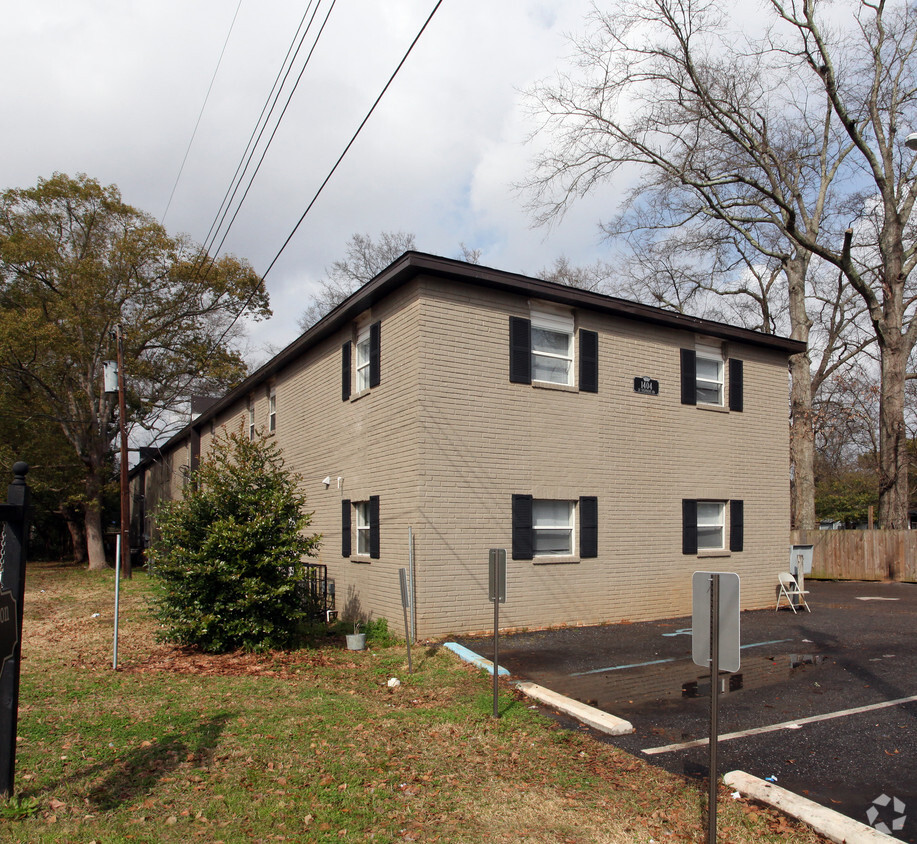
<point x="785" y="725"/>
<point x="669" y="659"/>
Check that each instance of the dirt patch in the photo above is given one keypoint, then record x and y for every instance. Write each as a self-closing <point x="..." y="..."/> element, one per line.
<point x="275" y="664"/>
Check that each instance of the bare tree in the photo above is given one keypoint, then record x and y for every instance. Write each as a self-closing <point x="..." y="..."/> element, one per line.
<point x="364" y="258"/>
<point x="788" y="139"/>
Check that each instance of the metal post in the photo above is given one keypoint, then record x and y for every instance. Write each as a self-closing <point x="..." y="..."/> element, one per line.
<point x="714" y="702"/>
<point x="497" y="653"/>
<point x="13" y="581"/>
<point x="125" y="491"/>
<point x="118" y="547"/>
<point x="405" y="600"/>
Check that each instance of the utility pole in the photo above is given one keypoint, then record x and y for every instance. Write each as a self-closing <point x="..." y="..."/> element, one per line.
<point x="125" y="491"/>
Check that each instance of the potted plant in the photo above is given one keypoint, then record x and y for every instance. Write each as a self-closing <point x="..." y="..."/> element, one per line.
<point x="356" y="641"/>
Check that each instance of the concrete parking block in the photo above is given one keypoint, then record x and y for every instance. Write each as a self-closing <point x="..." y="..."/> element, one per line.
<point x="831" y="824"/>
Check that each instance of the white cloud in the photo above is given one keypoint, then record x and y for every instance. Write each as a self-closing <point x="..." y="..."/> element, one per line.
<point x="114" y="88"/>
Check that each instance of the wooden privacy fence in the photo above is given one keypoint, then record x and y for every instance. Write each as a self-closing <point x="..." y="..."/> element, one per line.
<point x="861" y="554"/>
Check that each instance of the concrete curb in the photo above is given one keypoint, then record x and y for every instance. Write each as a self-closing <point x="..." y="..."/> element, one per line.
<point x="833" y="825"/>
<point x="589" y="715"/>
<point x="470" y="656"/>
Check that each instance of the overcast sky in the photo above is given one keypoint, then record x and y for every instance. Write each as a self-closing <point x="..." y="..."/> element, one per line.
<point x="114" y="88"/>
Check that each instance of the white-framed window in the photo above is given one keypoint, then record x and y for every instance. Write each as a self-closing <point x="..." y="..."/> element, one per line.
<point x="362" y="361"/>
<point x="553" y="527"/>
<point x="251" y="421"/>
<point x="709" y="374"/>
<point x="552" y="347"/>
<point x="272" y="411"/>
<point x="361" y="517"/>
<point x="711" y="525"/>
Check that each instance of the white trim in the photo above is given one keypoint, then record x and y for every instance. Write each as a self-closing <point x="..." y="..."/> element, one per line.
<point x="719" y="521"/>
<point x="570" y="527"/>
<point x="361" y="363"/>
<point x="361" y="524"/>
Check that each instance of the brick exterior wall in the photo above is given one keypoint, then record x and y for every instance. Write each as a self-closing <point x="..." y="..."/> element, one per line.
<point x="445" y="440"/>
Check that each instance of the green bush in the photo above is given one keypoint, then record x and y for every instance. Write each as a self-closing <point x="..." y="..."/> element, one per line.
<point x="230" y="552"/>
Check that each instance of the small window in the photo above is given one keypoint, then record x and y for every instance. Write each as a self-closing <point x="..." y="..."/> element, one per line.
<point x="362" y="362"/>
<point x="705" y="527"/>
<point x="709" y="376"/>
<point x="552" y="527"/>
<point x="251" y="421"/>
<point x="361" y="513"/>
<point x="711" y="525"/>
<point x="544" y="528"/>
<point x="272" y="411"/>
<point x="552" y="348"/>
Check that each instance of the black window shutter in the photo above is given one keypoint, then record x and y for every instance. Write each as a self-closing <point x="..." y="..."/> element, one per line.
<point x="588" y="361"/>
<point x="688" y="377"/>
<point x="345" y="528"/>
<point x="520" y="350"/>
<point x="736" y="525"/>
<point x="345" y="372"/>
<point x="589" y="526"/>
<point x="375" y="354"/>
<point x="374" y="526"/>
<point x="522" y="527"/>
<point x="736" y="389"/>
<point x="688" y="526"/>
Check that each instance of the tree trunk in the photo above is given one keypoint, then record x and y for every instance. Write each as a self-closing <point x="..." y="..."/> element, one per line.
<point x="802" y="445"/>
<point x="77" y="535"/>
<point x="94" y="543"/>
<point x="802" y="433"/>
<point x="893" y="487"/>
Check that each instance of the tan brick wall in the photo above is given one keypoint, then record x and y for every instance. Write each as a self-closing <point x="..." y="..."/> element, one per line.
<point x="445" y="440"/>
<point x="486" y="439"/>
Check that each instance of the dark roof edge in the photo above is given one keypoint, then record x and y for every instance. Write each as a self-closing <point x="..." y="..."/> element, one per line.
<point x="411" y="264"/>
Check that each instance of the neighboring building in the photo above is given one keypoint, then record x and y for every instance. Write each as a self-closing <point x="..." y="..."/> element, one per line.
<point x="612" y="448"/>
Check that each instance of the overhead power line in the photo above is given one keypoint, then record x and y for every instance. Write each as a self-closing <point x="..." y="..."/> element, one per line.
<point x="270" y="103"/>
<point x="352" y="140"/>
<point x="270" y="140"/>
<point x="203" y="106"/>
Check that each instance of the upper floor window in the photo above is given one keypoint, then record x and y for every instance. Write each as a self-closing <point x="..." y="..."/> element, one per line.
<point x="709" y="375"/>
<point x="704" y="378"/>
<point x="251" y="421"/>
<point x="362" y="362"/>
<point x="552" y="348"/>
<point x="363" y="370"/>
<point x="542" y="350"/>
<point x="272" y="411"/>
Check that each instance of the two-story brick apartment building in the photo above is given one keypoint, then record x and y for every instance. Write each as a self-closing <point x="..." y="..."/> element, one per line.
<point x="613" y="448"/>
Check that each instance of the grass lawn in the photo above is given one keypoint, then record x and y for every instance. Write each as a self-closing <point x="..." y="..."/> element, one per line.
<point x="310" y="745"/>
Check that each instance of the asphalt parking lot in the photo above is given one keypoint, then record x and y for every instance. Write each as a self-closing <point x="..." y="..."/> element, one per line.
<point x="824" y="703"/>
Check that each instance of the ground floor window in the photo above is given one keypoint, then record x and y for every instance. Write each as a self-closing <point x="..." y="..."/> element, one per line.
<point x="360" y="522"/>
<point x="545" y="528"/>
<point x="552" y="526"/>
<point x="710" y="525"/>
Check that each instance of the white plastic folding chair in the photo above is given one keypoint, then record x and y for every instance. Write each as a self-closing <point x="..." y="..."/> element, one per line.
<point x="789" y="589"/>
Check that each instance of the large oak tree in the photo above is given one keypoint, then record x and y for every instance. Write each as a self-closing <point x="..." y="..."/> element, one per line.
<point x="75" y="262"/>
